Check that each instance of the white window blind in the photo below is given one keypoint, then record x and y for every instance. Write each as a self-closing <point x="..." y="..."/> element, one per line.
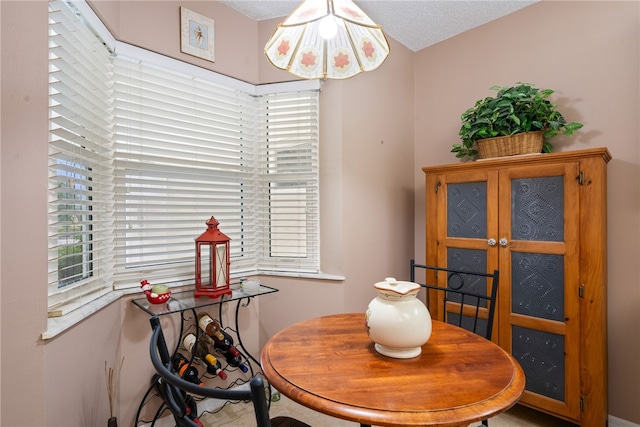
<point x="144" y="149"/>
<point x="289" y="182"/>
<point x="80" y="166"/>
<point x="184" y="151"/>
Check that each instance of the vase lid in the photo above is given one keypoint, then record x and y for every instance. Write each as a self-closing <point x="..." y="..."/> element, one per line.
<point x="397" y="286"/>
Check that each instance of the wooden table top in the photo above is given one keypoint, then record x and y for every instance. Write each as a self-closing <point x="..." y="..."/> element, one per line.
<point x="329" y="364"/>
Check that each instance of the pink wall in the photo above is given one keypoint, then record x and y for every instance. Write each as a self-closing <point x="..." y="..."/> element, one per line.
<point x="589" y="53"/>
<point x="155" y="25"/>
<point x="23" y="222"/>
<point x="77" y="358"/>
<point x="377" y="150"/>
<point x="377" y="131"/>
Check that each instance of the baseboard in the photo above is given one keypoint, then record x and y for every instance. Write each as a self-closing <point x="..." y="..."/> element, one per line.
<point x="618" y="422"/>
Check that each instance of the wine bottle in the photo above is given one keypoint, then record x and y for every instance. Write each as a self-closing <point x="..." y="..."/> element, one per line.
<point x="210" y="327"/>
<point x="189" y="373"/>
<point x="214" y="366"/>
<point x="233" y="357"/>
<point x="191" y="409"/>
<point x="231" y="354"/>
<point x="200" y="350"/>
<point x="222" y="341"/>
<point x="227" y="339"/>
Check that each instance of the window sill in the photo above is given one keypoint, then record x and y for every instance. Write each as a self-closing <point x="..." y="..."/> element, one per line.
<point x="58" y="325"/>
<point x="317" y="276"/>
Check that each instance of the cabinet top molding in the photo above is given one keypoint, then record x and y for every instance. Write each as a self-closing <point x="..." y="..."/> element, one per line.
<point x="525" y="159"/>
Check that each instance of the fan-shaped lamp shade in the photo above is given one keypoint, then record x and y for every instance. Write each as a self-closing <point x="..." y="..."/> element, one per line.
<point x="327" y="39"/>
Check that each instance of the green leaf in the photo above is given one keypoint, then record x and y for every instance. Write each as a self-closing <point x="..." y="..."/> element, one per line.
<point x="546" y="92"/>
<point x="572" y="127"/>
<point x="554" y="125"/>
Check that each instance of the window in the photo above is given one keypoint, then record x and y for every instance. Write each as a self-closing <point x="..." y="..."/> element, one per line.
<point x="288" y="162"/>
<point x="80" y="170"/>
<point x="184" y="151"/>
<point x="145" y="149"/>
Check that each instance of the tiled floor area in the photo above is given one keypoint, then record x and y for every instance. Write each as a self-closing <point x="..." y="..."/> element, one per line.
<point x="241" y="415"/>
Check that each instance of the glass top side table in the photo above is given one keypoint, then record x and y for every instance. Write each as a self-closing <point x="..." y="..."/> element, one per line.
<point x="187" y="306"/>
<point x="185" y="300"/>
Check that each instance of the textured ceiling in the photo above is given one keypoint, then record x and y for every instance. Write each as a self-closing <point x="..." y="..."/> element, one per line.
<point x="415" y="24"/>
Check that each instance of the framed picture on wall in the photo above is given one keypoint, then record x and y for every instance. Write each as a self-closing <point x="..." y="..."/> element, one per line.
<point x="196" y="35"/>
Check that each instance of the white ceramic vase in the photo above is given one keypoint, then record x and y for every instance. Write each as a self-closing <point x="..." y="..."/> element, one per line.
<point x="397" y="322"/>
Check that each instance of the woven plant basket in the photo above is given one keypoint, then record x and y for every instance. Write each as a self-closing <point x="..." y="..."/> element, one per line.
<point x="501" y="146"/>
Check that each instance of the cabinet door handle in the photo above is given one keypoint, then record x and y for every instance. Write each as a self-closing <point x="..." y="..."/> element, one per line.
<point x="503" y="242"/>
<point x="491" y="242"/>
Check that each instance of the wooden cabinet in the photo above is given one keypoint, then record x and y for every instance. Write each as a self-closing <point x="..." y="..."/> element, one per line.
<point x="541" y="220"/>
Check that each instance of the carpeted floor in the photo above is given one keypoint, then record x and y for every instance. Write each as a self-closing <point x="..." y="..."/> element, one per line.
<point x="241" y="415"/>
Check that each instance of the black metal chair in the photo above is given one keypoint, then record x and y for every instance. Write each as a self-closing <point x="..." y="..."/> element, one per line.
<point x="462" y="298"/>
<point x="177" y="392"/>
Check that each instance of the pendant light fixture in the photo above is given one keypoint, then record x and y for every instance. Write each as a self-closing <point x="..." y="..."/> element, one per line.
<point x="327" y="39"/>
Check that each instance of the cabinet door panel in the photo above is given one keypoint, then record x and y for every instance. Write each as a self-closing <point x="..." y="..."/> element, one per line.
<point x="537" y="209"/>
<point x="469" y="260"/>
<point x="537" y="285"/>
<point x="540" y="279"/>
<point x="467" y="215"/>
<point x="467" y="209"/>
<point x="541" y="355"/>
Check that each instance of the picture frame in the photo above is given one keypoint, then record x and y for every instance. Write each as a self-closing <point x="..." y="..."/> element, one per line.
<point x="197" y="35"/>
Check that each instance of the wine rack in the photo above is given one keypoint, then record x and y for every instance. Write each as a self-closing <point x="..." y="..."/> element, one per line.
<point x="185" y="305"/>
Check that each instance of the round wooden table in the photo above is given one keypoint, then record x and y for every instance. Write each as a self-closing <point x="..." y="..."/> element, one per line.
<point x="329" y="364"/>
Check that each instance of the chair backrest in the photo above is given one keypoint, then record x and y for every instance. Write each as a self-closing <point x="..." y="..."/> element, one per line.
<point x="463" y="298"/>
<point x="174" y="389"/>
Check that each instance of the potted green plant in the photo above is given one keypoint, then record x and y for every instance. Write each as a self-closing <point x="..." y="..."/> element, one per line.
<point x="514" y="111"/>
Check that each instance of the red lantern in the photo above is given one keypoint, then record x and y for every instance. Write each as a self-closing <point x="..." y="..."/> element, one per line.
<point x="212" y="262"/>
